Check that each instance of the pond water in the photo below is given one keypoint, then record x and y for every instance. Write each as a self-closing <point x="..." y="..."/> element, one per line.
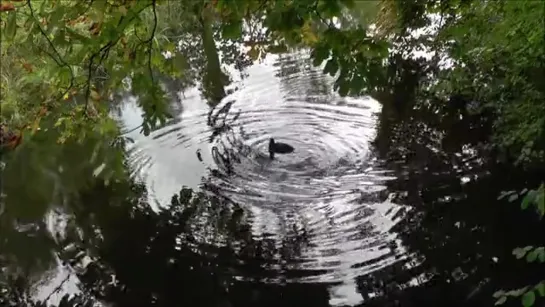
<point x="330" y="187"/>
<point x="380" y="204"/>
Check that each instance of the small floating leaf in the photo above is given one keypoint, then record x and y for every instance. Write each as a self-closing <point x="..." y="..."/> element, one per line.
<point x="501" y="300"/>
<point x="513" y="197"/>
<point x="519" y="252"/>
<point x="504" y="194"/>
<point x="498" y="294"/>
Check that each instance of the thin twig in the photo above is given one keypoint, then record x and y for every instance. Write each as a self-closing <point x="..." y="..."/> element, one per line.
<point x="60" y="61"/>
<point x="104" y="51"/>
<point x="136" y="34"/>
<point x="89" y="78"/>
<point x="58" y="288"/>
<point x="88" y="7"/>
<point x="150" y="40"/>
<point x="325" y="21"/>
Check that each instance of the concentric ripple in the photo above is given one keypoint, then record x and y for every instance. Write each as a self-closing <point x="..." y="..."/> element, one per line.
<point x="331" y="187"/>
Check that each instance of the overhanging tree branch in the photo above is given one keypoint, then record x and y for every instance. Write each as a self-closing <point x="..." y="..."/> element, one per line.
<point x="150" y="40"/>
<point x="60" y="61"/>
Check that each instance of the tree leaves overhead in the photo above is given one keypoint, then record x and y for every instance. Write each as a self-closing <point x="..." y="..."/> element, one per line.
<point x="78" y="53"/>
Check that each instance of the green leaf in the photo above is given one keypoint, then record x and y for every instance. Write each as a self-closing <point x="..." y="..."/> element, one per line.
<point x="540" y="288"/>
<point x="319" y="54"/>
<point x="541" y="254"/>
<point x="528" y="199"/>
<point x="57" y="16"/>
<point x="528" y="298"/>
<point x="171" y="47"/>
<point x="11" y="26"/>
<point x="348" y="3"/>
<point x="540" y="202"/>
<point x="356" y="85"/>
<point x="157" y="59"/>
<point x="75" y="35"/>
<point x="330" y="8"/>
<point x="344" y="88"/>
<point x="331" y="67"/>
<point x="532" y="256"/>
<point x="232" y="30"/>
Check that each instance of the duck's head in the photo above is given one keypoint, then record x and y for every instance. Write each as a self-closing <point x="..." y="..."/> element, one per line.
<point x="271" y="142"/>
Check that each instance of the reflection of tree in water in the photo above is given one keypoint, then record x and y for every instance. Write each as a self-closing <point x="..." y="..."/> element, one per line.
<point x="39" y="181"/>
<point x="186" y="254"/>
<point x="299" y="77"/>
<point x="458" y="230"/>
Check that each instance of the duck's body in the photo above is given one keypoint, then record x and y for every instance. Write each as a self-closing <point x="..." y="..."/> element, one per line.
<point x="281" y="148"/>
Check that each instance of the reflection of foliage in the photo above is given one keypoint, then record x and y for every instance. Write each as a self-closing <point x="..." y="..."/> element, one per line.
<point x="186" y="254"/>
<point x="41" y="178"/>
<point x="458" y="235"/>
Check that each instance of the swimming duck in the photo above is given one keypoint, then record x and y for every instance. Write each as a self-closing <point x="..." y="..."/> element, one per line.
<point x="278" y="148"/>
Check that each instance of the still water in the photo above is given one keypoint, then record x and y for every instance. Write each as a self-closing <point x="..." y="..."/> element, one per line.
<point x="329" y="186"/>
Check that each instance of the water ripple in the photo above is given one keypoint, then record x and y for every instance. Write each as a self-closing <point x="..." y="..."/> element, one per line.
<point x="331" y="188"/>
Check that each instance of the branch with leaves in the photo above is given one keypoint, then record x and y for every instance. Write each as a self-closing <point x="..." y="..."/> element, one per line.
<point x="93" y="38"/>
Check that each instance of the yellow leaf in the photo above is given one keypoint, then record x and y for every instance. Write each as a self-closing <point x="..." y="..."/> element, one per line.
<point x="5" y="7"/>
<point x="36" y="125"/>
<point x="95" y="95"/>
<point x="308" y="35"/>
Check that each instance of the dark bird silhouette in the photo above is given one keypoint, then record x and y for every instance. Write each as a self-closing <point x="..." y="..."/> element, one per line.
<point x="280" y="148"/>
<point x="199" y="155"/>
